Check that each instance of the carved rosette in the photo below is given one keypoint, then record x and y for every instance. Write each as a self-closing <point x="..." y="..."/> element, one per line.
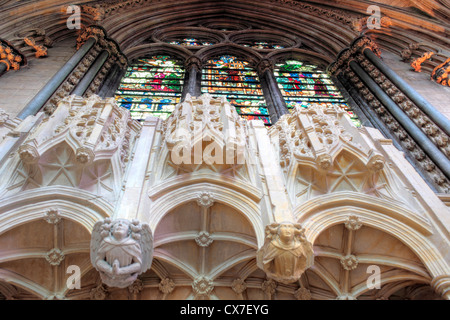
<point x="203" y="239"/>
<point x="353" y="223"/>
<point x="202" y="287"/>
<point x="99" y="293"/>
<point x="239" y="286"/>
<point x="349" y="262"/>
<point x="55" y="256"/>
<point x="302" y="294"/>
<point x="376" y="163"/>
<point x="269" y="287"/>
<point x="166" y="286"/>
<point x="205" y="200"/>
<point x="52" y="216"/>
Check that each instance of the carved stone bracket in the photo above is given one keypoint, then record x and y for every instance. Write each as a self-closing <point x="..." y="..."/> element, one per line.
<point x="347" y="55"/>
<point x="121" y="250"/>
<point x="286" y="254"/>
<point x="105" y="43"/>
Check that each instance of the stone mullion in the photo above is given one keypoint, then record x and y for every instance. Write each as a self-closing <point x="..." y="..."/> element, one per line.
<point x="72" y="80"/>
<point x="419" y="157"/>
<point x="433" y="132"/>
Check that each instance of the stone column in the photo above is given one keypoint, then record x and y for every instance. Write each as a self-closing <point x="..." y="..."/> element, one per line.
<point x="274" y="98"/>
<point x="84" y="84"/>
<point x="419" y="137"/>
<point x="41" y="98"/>
<point x="112" y="81"/>
<point x="442" y="121"/>
<point x="193" y="78"/>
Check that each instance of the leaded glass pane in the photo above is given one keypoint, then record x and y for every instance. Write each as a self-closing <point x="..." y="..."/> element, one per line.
<point x="304" y="85"/>
<point x="233" y="78"/>
<point x="151" y="87"/>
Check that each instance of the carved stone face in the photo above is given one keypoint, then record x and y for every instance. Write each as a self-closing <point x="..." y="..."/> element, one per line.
<point x="120" y="230"/>
<point x="286" y="233"/>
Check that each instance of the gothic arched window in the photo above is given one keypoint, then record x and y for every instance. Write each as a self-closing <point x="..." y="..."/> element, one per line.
<point x="151" y="87"/>
<point x="233" y="78"/>
<point x="303" y="84"/>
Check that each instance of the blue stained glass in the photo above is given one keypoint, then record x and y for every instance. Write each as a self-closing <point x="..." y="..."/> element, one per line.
<point x="233" y="78"/>
<point x="151" y="86"/>
<point x="304" y="85"/>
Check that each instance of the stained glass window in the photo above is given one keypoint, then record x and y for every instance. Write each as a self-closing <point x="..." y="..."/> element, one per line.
<point x="262" y="45"/>
<point x="151" y="87"/>
<point x="233" y="78"/>
<point x="305" y="84"/>
<point x="191" y="42"/>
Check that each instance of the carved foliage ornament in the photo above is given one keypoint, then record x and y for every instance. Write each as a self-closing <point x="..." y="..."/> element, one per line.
<point x="417" y="63"/>
<point x="121" y="250"/>
<point x="286" y="253"/>
<point x="441" y="73"/>
<point x="10" y="56"/>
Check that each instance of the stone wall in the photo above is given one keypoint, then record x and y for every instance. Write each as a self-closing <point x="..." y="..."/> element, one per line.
<point x="17" y="88"/>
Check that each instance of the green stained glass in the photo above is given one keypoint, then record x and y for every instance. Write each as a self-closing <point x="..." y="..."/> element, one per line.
<point x="304" y="85"/>
<point x="233" y="78"/>
<point x="151" y="86"/>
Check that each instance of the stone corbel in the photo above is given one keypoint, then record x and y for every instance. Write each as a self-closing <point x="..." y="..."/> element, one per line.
<point x="286" y="253"/>
<point x="121" y="250"/>
<point x="264" y="65"/>
<point x="193" y="62"/>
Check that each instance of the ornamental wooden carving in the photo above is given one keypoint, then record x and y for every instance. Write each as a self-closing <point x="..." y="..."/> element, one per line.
<point x="441" y="73"/>
<point x="417" y="63"/>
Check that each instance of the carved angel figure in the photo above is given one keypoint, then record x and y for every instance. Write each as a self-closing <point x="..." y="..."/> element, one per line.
<point x="286" y="253"/>
<point x="121" y="250"/>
